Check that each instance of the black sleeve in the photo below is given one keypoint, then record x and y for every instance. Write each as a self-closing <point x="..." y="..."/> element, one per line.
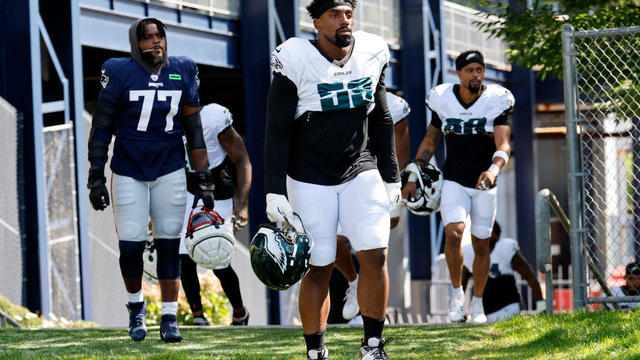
<point x="103" y="126"/>
<point x="281" y="110"/>
<point x="381" y="135"/>
<point x="503" y="119"/>
<point x="435" y="120"/>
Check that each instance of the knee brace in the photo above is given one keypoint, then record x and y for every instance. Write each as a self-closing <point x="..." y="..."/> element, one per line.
<point x="131" y="258"/>
<point x="168" y="258"/>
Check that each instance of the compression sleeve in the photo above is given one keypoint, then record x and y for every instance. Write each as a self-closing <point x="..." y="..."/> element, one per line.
<point x="381" y="135"/>
<point x="103" y="126"/>
<point x="281" y="109"/>
<point x="193" y="131"/>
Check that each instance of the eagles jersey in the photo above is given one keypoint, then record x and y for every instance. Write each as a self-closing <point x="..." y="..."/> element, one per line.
<point x="324" y="86"/>
<point x="148" y="128"/>
<point x="398" y="106"/>
<point x="324" y="126"/>
<point x="468" y="128"/>
<point x="215" y="119"/>
<point x="500" y="289"/>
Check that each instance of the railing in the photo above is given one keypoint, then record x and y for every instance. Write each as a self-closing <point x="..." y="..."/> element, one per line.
<point x="6" y="319"/>
<point x="544" y="200"/>
<point x="228" y="8"/>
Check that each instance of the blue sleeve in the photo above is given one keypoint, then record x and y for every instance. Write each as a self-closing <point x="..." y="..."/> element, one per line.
<point x="110" y="86"/>
<point x="192" y="98"/>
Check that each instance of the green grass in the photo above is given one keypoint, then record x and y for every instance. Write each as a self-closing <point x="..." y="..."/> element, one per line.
<point x="601" y="335"/>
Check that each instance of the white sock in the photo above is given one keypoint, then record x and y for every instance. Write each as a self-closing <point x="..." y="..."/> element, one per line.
<point x="352" y="283"/>
<point x="135" y="297"/>
<point x="457" y="291"/>
<point x="476" y="300"/>
<point x="169" y="308"/>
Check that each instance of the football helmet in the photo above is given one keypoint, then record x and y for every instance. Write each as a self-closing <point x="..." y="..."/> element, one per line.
<point x="426" y="199"/>
<point x="150" y="261"/>
<point x="280" y="256"/>
<point x="209" y="239"/>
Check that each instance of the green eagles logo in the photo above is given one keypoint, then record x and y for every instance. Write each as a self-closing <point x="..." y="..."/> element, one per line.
<point x="337" y="96"/>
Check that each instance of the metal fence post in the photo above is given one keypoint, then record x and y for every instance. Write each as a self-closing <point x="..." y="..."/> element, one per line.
<point x="571" y="120"/>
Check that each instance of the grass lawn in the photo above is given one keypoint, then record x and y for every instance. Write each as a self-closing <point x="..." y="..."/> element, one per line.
<point x="601" y="335"/>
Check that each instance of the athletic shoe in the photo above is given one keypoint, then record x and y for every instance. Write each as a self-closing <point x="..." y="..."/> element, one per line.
<point x="477" y="311"/>
<point x="374" y="349"/>
<point x="351" y="307"/>
<point x="242" y="320"/>
<point x="137" y="317"/>
<point x="456" y="306"/>
<point x="200" y="321"/>
<point x="169" y="328"/>
<point x="318" y="354"/>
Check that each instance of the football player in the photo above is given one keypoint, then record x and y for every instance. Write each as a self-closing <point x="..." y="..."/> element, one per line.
<point x="399" y="111"/>
<point x="224" y="145"/>
<point x="501" y="299"/>
<point x="329" y="156"/>
<point x="148" y="101"/>
<point x="473" y="118"/>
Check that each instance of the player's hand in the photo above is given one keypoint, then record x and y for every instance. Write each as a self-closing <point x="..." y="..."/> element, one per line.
<point x="204" y="191"/>
<point x="98" y="194"/>
<point x="241" y="216"/>
<point x="279" y="211"/>
<point x="394" y="194"/>
<point x="486" y="180"/>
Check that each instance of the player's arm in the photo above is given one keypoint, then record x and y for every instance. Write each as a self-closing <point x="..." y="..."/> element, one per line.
<point x="234" y="147"/>
<point x="198" y="152"/>
<point x="520" y="264"/>
<point x="401" y="132"/>
<point x="103" y="126"/>
<point x="501" y="136"/>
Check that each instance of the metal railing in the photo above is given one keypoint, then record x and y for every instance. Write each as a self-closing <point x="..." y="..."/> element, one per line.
<point x="6" y="319"/>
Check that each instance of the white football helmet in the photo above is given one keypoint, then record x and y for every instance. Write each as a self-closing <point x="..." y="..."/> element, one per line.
<point x="150" y="261"/>
<point x="209" y="239"/>
<point x="426" y="199"/>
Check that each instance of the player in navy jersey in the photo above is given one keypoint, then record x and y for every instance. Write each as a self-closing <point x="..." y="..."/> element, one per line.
<point x="473" y="118"/>
<point x="330" y="157"/>
<point x="148" y="101"/>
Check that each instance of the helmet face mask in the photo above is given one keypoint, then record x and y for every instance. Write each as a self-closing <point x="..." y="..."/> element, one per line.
<point x="150" y="262"/>
<point x="280" y="257"/>
<point x="209" y="239"/>
<point x="426" y="199"/>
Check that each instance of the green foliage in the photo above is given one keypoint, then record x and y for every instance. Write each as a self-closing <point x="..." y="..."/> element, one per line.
<point x="215" y="304"/>
<point x="28" y="319"/>
<point x="599" y="335"/>
<point x="533" y="34"/>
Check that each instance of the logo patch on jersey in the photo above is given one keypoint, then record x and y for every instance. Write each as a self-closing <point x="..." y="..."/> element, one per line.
<point x="154" y="77"/>
<point x="104" y="80"/>
<point x="338" y="95"/>
<point x="175" y="77"/>
<point x="198" y="78"/>
<point x="275" y="63"/>
<point x="156" y="85"/>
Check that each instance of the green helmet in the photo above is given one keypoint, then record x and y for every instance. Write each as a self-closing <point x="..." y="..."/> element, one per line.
<point x="280" y="257"/>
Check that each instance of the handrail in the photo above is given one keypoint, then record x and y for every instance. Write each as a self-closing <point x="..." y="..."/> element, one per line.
<point x="5" y="318"/>
<point x="544" y="200"/>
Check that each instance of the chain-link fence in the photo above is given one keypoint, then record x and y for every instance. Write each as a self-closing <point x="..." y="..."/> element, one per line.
<point x="62" y="233"/>
<point x="11" y="256"/>
<point x="602" y="87"/>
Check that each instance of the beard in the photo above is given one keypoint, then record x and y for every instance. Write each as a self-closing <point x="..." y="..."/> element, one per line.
<point x="154" y="60"/>
<point x="474" y="89"/>
<point x="343" y="41"/>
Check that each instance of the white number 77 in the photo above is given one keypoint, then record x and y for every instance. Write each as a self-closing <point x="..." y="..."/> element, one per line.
<point x="147" y="105"/>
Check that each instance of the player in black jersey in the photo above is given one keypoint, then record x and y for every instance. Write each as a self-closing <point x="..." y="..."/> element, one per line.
<point x="473" y="118"/>
<point x="330" y="148"/>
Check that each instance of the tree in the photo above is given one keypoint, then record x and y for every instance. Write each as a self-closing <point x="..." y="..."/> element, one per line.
<point x="533" y="31"/>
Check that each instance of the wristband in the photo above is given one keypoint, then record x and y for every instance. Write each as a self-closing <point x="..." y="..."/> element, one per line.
<point x="502" y="155"/>
<point x="494" y="169"/>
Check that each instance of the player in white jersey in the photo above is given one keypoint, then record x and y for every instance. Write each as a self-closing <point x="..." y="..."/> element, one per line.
<point x="501" y="298"/>
<point x="330" y="148"/>
<point x="473" y="118"/>
<point x="227" y="154"/>
<point x="400" y="110"/>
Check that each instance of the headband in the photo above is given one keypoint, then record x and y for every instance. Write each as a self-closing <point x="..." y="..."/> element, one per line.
<point x="469" y="57"/>
<point x="329" y="4"/>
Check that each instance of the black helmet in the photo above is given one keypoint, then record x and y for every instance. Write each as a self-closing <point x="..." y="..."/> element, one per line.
<point x="280" y="257"/>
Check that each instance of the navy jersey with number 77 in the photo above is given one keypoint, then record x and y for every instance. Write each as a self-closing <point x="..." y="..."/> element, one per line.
<point x="149" y="125"/>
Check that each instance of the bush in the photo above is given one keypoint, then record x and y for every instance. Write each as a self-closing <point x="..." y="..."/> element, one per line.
<point x="215" y="304"/>
<point x="28" y="319"/>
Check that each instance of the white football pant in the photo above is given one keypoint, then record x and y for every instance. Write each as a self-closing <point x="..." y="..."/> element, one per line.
<point x="458" y="201"/>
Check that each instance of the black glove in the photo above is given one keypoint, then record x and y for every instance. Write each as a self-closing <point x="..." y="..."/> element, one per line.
<point x="98" y="194"/>
<point x="204" y="190"/>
